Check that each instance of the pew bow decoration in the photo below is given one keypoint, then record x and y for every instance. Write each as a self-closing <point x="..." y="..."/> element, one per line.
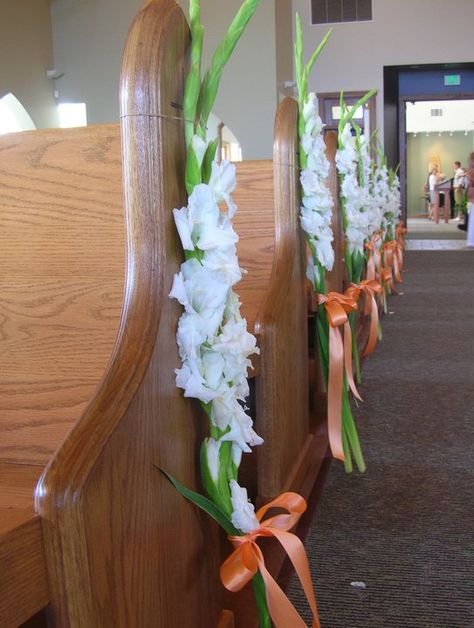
<point x="337" y="307"/>
<point x="247" y="559"/>
<point x="369" y="288"/>
<point x="374" y="258"/>
<point x="400" y="233"/>
<point x="390" y="250"/>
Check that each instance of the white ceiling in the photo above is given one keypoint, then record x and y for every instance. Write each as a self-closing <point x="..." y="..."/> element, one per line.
<point x="453" y="115"/>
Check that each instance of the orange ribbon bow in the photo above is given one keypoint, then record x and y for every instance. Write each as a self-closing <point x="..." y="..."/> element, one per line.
<point x="247" y="559"/>
<point x="400" y="232"/>
<point x="369" y="287"/>
<point x="400" y="235"/>
<point x="374" y="263"/>
<point x="340" y="359"/>
<point x="387" y="278"/>
<point x="391" y="257"/>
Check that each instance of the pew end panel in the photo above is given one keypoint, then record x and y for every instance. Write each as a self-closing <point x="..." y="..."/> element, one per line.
<point x="123" y="547"/>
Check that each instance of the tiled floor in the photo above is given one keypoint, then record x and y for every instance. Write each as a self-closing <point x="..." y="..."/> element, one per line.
<point x="425" y="235"/>
<point x="437" y="245"/>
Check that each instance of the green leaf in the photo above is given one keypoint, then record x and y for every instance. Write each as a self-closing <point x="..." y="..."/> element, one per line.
<point x="193" y="80"/>
<point x="213" y="76"/>
<point x="193" y="170"/>
<point x="298" y="52"/>
<point x="360" y="103"/>
<point x="203" y="503"/>
<point x="315" y="55"/>
<point x="209" y="157"/>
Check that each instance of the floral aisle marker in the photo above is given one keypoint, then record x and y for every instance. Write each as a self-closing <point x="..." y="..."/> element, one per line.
<point x="214" y="346"/>
<point x="367" y="222"/>
<point x="332" y="323"/>
<point x="391" y="248"/>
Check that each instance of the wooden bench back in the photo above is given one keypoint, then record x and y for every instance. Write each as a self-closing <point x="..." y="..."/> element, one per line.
<point x="123" y="548"/>
<point x="62" y="258"/>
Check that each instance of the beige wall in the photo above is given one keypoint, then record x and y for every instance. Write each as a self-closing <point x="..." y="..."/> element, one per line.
<point x="284" y="46"/>
<point x="88" y="41"/>
<point x="403" y="32"/>
<point x="25" y="55"/>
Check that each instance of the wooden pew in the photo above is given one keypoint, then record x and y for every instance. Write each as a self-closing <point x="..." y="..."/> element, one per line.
<point x="110" y="529"/>
<point x="62" y="259"/>
<point x="120" y="546"/>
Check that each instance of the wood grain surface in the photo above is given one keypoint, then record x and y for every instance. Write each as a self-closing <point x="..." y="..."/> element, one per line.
<point x="335" y="278"/>
<point x="255" y="224"/>
<point x="62" y="253"/>
<point x="282" y="388"/>
<point x="123" y="547"/>
<point x="23" y="579"/>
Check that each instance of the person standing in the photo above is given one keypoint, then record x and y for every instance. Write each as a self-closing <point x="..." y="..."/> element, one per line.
<point x="470" y="201"/>
<point x="434" y="207"/>
<point x="458" y="187"/>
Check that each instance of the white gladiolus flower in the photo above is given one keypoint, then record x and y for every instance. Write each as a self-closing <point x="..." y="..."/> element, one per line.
<point x="190" y="379"/>
<point x="212" y="365"/>
<point x="227" y="412"/>
<point x="209" y="229"/>
<point x="212" y="337"/>
<point x="232" y="307"/>
<point x="357" y="199"/>
<point x="199" y="289"/>
<point x="224" y="259"/>
<point x="243" y="515"/>
<point x="312" y="271"/>
<point x="310" y="107"/>
<point x="315" y="212"/>
<point x="325" y="253"/>
<point x="217" y="236"/>
<point x="212" y="449"/>
<point x="199" y="147"/>
<point x="185" y="227"/>
<point x="223" y="183"/>
<point x="190" y="335"/>
<point x="236" y="454"/>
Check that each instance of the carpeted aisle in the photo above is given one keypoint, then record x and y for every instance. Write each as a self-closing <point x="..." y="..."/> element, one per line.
<point x="406" y="528"/>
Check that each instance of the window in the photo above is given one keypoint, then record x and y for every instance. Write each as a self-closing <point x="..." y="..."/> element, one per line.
<point x="13" y="116"/>
<point x="330" y="112"/>
<point x="333" y="11"/>
<point x="72" y="114"/>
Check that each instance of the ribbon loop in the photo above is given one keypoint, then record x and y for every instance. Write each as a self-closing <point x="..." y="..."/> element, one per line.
<point x="369" y="288"/>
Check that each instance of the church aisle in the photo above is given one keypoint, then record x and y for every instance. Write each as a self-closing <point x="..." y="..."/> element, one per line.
<point x="405" y="528"/>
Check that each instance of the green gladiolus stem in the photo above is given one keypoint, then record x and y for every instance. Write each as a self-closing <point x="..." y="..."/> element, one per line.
<point x="350" y="428"/>
<point x="259" y="591"/>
